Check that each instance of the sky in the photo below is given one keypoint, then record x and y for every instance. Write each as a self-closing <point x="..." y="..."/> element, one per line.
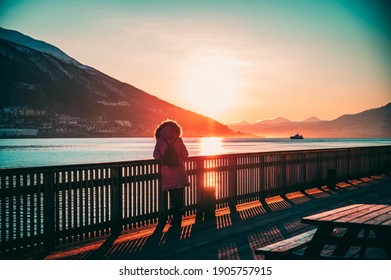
<point x="231" y="60"/>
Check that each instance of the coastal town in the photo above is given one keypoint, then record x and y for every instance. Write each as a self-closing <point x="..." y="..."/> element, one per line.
<point x="32" y="122"/>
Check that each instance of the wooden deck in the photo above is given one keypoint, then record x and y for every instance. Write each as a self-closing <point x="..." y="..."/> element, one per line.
<point x="230" y="235"/>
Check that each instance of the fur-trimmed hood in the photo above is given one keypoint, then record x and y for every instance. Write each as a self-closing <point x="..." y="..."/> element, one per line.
<point x="168" y="133"/>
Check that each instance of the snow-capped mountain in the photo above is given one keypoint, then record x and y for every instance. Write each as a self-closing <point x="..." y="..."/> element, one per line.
<point x="41" y="46"/>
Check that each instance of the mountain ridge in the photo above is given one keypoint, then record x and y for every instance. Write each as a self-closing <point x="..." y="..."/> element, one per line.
<point x="38" y="45"/>
<point x="371" y="123"/>
<point x="312" y="119"/>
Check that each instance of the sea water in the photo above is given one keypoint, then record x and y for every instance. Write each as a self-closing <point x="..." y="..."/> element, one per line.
<point x="34" y="152"/>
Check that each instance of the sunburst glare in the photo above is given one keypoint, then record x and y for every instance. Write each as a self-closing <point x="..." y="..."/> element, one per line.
<point x="212" y="83"/>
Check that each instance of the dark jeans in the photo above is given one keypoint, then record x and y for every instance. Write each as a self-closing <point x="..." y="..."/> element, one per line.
<point x="176" y="203"/>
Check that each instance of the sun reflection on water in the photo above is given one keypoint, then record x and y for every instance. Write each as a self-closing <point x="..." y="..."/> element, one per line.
<point x="211" y="146"/>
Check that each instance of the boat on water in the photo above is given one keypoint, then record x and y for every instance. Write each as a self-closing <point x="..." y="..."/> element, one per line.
<point x="297" y="136"/>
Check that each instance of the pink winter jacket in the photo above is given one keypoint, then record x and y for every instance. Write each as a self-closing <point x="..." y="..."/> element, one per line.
<point x="172" y="177"/>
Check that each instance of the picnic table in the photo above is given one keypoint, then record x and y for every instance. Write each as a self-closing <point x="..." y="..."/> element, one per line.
<point x="361" y="225"/>
<point x="357" y="226"/>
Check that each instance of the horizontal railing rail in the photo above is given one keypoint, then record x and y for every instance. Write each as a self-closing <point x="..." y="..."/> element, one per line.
<point x="43" y="207"/>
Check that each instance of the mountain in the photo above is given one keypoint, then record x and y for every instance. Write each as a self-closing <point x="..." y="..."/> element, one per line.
<point x="373" y="123"/>
<point x="312" y="119"/>
<point x="278" y="120"/>
<point x="45" y="89"/>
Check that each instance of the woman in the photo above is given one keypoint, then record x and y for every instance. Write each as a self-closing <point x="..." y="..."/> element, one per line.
<point x="172" y="153"/>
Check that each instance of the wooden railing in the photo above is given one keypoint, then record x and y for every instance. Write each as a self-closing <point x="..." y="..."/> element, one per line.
<point x="43" y="207"/>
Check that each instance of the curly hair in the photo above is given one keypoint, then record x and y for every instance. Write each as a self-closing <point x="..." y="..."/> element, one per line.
<point x="170" y="123"/>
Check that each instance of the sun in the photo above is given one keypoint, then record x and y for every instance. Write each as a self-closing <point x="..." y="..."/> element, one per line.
<point x="211" y="84"/>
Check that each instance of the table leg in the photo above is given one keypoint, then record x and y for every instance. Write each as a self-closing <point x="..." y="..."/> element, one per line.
<point x="318" y="241"/>
<point x="343" y="248"/>
<point x="384" y="237"/>
<point x="364" y="244"/>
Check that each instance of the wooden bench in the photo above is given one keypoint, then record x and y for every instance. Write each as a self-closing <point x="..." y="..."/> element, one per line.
<point x="284" y="249"/>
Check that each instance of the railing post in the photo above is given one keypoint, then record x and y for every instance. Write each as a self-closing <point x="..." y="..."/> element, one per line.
<point x="283" y="176"/>
<point x="262" y="191"/>
<point x="199" y="167"/>
<point x="386" y="167"/>
<point x="318" y="170"/>
<point x="350" y="167"/>
<point x="233" y="188"/>
<point x="116" y="200"/>
<point x="162" y="197"/>
<point x="48" y="212"/>
<point x="209" y="202"/>
<point x="304" y="170"/>
<point x="207" y="193"/>
<point x="331" y="179"/>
